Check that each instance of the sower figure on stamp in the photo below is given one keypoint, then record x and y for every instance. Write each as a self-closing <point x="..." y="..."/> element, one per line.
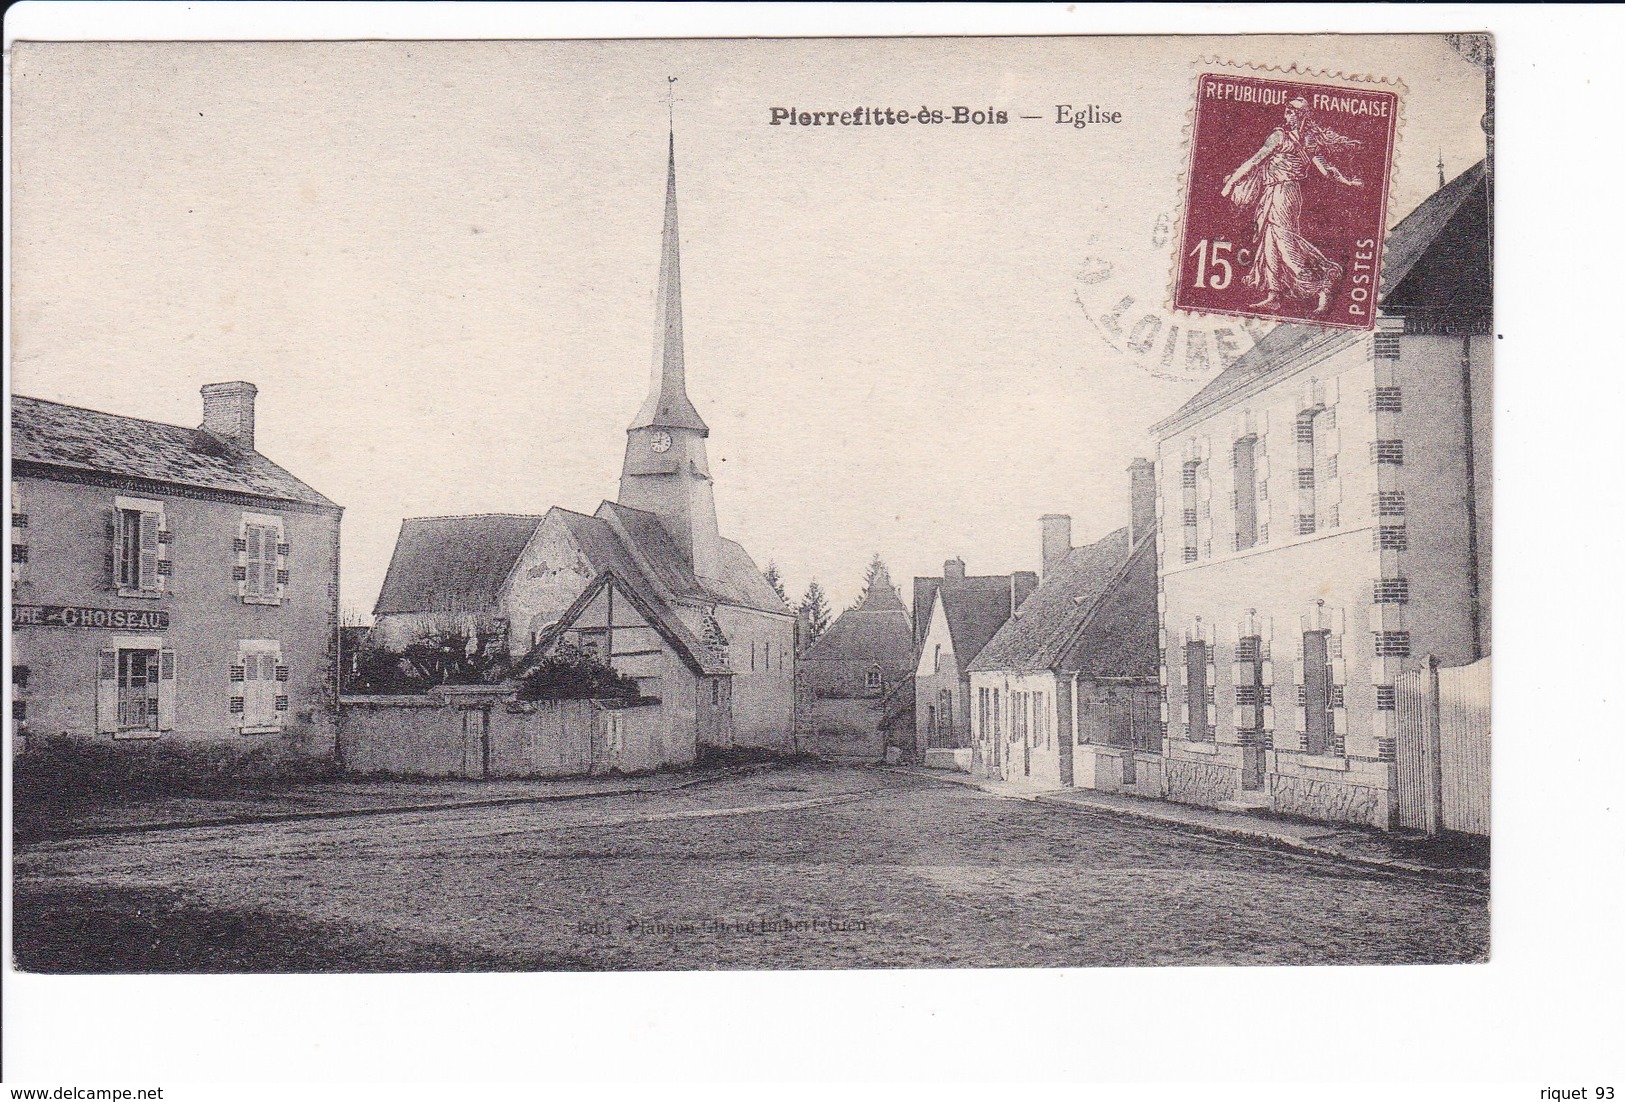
<point x="1271" y="182"/>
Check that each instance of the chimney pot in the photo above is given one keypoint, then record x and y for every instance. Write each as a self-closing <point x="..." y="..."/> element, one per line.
<point x="1057" y="538"/>
<point x="1022" y="584"/>
<point x="228" y="412"/>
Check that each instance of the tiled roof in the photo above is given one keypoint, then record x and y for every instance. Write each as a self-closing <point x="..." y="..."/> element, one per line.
<point x="925" y="593"/>
<point x="107" y="443"/>
<point x="1406" y="244"/>
<point x="742" y="584"/>
<point x="1036" y="638"/>
<point x="884" y="637"/>
<point x="453" y="563"/>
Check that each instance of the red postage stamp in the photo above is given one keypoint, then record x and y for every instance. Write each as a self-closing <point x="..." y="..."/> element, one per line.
<point x="1286" y="200"/>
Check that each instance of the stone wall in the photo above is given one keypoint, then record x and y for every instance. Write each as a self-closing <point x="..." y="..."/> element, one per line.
<point x="1199" y="782"/>
<point x="1328" y="801"/>
<point x="1109" y="772"/>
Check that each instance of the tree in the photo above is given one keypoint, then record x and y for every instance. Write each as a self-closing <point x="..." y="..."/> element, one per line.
<point x="874" y="574"/>
<point x="814" y="610"/>
<point x="452" y="656"/>
<point x="776" y="581"/>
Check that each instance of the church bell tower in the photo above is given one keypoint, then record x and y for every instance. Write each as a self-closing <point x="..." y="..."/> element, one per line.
<point x="665" y="471"/>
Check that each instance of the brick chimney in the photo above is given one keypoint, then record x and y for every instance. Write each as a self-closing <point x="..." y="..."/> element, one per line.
<point x="1142" y="495"/>
<point x="953" y="570"/>
<point x="1022" y="584"/>
<point x="1057" y="538"/>
<point x="228" y="412"/>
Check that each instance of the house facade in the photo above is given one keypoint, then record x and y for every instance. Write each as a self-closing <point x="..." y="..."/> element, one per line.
<point x="647" y="581"/>
<point x="169" y="583"/>
<point x="1055" y="693"/>
<point x="1324" y="517"/>
<point x="848" y="673"/>
<point x="954" y="617"/>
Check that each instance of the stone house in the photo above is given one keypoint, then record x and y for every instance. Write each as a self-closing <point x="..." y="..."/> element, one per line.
<point x="954" y="617"/>
<point x="1054" y="692"/>
<point x="1324" y="510"/>
<point x="169" y="583"/>
<point x="848" y="672"/>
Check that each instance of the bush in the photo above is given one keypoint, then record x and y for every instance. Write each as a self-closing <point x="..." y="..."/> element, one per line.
<point x="572" y="674"/>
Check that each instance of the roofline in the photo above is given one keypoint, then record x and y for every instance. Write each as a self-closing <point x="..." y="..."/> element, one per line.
<point x="1315" y="352"/>
<point x="92" y="476"/>
<point x="475" y="516"/>
<point x="1147" y="540"/>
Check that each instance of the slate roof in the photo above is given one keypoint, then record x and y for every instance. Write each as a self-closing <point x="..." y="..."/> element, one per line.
<point x="76" y="439"/>
<point x="1407" y="244"/>
<point x="975" y="609"/>
<point x="742" y="584"/>
<point x="1038" y="636"/>
<point x="443" y="563"/>
<point x="925" y="593"/>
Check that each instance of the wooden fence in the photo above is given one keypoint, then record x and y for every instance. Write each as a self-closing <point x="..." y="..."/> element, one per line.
<point x="1442" y="749"/>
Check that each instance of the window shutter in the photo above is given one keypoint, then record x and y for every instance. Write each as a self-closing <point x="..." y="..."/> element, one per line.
<point x="111" y="573"/>
<point x="107" y="691"/>
<point x="166" y="690"/>
<point x="148" y="576"/>
<point x="163" y="565"/>
<point x="239" y="574"/>
<point x="281" y="560"/>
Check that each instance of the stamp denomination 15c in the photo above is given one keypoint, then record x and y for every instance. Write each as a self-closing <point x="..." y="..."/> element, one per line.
<point x="1286" y="200"/>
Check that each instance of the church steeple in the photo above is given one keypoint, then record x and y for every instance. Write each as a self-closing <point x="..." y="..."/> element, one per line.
<point x="667" y="405"/>
<point x="666" y="472"/>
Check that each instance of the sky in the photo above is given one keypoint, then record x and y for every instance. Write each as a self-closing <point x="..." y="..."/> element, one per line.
<point x="437" y="261"/>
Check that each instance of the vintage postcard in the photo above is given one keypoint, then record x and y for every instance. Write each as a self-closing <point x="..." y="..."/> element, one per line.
<point x="523" y="506"/>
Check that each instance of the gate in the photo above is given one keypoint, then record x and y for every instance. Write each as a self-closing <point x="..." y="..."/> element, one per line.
<point x="1442" y="748"/>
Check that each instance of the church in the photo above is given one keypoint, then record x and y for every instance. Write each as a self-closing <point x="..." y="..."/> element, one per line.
<point x="647" y="582"/>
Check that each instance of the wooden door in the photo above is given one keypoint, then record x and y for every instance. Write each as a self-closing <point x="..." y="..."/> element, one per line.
<point x="1317" y="693"/>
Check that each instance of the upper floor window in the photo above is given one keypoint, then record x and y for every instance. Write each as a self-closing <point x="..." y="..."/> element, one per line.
<point x="262" y="559"/>
<point x="1190" y="475"/>
<point x="139" y="547"/>
<point x="936" y="659"/>
<point x="872" y="679"/>
<point x="1244" y="455"/>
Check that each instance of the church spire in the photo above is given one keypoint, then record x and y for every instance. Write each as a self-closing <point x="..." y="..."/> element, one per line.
<point x="667" y="405"/>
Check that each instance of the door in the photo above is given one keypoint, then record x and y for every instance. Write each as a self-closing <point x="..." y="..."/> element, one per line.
<point x="137" y="690"/>
<point x="1317" y="694"/>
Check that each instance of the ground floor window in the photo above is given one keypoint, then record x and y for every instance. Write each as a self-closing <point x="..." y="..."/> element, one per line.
<point x="135" y="688"/>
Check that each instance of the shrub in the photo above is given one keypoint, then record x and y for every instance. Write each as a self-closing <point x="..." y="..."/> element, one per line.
<point x="570" y="673"/>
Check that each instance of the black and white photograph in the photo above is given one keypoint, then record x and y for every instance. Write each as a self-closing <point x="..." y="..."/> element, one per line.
<point x="534" y="506"/>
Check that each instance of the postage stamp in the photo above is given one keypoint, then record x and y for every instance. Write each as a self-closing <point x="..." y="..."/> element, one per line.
<point x="1286" y="200"/>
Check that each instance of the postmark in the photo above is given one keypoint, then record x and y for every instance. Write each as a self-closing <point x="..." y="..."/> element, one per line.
<point x="1286" y="198"/>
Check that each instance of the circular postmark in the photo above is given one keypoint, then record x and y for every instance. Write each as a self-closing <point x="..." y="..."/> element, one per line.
<point x="1122" y="290"/>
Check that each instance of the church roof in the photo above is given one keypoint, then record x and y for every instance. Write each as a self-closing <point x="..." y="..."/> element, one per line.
<point x="453" y="563"/>
<point x="1038" y="636"/>
<point x="742" y="583"/>
<point x="73" y="439"/>
<point x="1446" y="238"/>
<point x="668" y="405"/>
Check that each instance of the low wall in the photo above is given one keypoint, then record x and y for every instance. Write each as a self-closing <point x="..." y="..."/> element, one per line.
<point x="845" y="728"/>
<point x="1109" y="772"/>
<point x="940" y="758"/>
<point x="493" y="736"/>
<point x="1207" y="784"/>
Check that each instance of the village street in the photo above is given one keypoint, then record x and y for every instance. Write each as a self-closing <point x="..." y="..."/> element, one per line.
<point x="799" y="867"/>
